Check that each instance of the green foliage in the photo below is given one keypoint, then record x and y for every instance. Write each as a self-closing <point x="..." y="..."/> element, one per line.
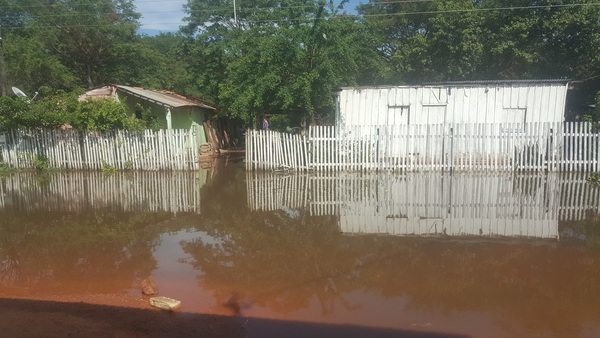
<point x="286" y="61"/>
<point x="146" y="118"/>
<point x="41" y="163"/>
<point x="104" y="115"/>
<point x="91" y="37"/>
<point x="593" y="115"/>
<point x="453" y="40"/>
<point x="54" y="109"/>
<point x="128" y="165"/>
<point x="594" y="179"/>
<point x="5" y="168"/>
<point x="30" y="65"/>
<point x="597" y="104"/>
<point x="107" y="168"/>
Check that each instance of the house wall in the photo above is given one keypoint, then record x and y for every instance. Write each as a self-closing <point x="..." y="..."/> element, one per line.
<point x="156" y="110"/>
<point x="181" y="117"/>
<point x="186" y="117"/>
<point x="492" y="103"/>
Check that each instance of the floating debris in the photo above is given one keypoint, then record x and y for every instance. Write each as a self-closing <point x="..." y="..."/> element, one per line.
<point x="165" y="303"/>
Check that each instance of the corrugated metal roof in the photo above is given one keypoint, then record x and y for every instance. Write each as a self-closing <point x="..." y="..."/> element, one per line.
<point x="503" y="82"/>
<point x="465" y="83"/>
<point x="164" y="98"/>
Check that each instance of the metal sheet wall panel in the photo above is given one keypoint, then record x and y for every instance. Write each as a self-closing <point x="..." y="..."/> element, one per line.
<point x="540" y="102"/>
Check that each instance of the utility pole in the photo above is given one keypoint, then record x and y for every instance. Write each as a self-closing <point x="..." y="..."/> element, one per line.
<point x="3" y="83"/>
<point x="234" y="14"/>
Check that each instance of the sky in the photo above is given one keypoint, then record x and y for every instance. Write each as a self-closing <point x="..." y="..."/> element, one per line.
<point x="160" y="15"/>
<point x="166" y="15"/>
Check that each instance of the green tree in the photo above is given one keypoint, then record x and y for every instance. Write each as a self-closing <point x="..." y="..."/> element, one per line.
<point x="488" y="39"/>
<point x="31" y="66"/>
<point x="94" y="38"/>
<point x="282" y="57"/>
<point x="165" y="66"/>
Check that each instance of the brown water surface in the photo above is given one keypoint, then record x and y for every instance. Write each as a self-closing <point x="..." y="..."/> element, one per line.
<point x="434" y="254"/>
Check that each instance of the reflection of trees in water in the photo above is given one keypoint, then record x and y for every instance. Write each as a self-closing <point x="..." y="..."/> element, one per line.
<point x="283" y="260"/>
<point x="249" y="260"/>
<point x="100" y="251"/>
<point x="286" y="265"/>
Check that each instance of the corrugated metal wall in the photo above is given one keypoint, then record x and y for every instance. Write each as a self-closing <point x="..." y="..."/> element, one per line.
<point x="493" y="103"/>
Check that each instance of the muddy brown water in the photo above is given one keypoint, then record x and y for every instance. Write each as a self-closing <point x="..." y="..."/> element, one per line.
<point x="388" y="254"/>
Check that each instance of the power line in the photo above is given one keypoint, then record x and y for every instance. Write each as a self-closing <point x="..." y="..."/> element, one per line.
<point x="453" y="11"/>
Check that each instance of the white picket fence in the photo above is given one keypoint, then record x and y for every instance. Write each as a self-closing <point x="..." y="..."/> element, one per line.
<point x="540" y="146"/>
<point x="174" y="149"/>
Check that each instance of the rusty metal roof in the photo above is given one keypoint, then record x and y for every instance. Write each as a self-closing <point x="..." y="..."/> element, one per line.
<point x="164" y="98"/>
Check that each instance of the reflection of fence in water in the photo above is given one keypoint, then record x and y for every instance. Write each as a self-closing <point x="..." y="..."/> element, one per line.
<point x="516" y="204"/>
<point x="80" y="191"/>
<point x="268" y="191"/>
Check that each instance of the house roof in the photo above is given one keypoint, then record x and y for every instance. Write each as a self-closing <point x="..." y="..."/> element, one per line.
<point x="468" y="83"/>
<point x="497" y="82"/>
<point x="164" y="98"/>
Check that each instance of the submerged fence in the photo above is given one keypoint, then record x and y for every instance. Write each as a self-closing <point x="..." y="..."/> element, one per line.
<point x="542" y="146"/>
<point x="173" y="149"/>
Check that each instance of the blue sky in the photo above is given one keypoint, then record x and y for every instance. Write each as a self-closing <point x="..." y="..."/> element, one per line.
<point x="167" y="15"/>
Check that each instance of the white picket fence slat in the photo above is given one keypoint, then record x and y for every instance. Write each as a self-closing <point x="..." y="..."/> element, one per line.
<point x="536" y="146"/>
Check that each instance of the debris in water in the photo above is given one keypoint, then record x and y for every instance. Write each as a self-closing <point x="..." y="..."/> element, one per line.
<point x="165" y="303"/>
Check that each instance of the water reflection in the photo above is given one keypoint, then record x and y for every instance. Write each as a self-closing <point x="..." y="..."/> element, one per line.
<point x="460" y="204"/>
<point x="71" y="232"/>
<point x="286" y="257"/>
<point x="82" y="191"/>
<point x="313" y="247"/>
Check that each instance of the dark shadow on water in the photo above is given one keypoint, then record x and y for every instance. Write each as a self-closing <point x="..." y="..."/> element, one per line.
<point x="34" y="318"/>
<point x="265" y="328"/>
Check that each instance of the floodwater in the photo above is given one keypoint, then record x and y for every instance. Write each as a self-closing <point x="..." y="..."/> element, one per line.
<point x="370" y="255"/>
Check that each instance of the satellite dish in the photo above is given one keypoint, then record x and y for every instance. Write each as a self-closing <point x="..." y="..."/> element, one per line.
<point x="18" y="92"/>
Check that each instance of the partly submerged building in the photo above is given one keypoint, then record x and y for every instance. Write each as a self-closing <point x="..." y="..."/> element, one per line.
<point x="170" y="110"/>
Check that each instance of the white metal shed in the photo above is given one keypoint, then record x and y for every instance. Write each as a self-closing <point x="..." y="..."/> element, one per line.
<point x="486" y="102"/>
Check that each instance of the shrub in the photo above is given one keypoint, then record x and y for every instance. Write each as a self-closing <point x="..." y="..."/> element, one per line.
<point x="104" y="115"/>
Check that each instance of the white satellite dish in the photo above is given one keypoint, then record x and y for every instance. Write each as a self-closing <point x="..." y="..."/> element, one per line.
<point x="20" y="93"/>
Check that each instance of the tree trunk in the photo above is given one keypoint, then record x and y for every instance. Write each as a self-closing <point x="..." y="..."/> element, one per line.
<point x="89" y="76"/>
<point x="3" y="81"/>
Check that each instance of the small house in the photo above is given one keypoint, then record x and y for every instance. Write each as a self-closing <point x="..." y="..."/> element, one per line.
<point x="171" y="110"/>
<point x="487" y="102"/>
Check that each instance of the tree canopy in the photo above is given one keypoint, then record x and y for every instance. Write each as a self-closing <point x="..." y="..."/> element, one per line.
<point x="288" y="56"/>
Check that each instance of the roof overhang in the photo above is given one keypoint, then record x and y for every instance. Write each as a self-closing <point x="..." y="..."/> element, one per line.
<point x="163" y="98"/>
<point x="480" y="83"/>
